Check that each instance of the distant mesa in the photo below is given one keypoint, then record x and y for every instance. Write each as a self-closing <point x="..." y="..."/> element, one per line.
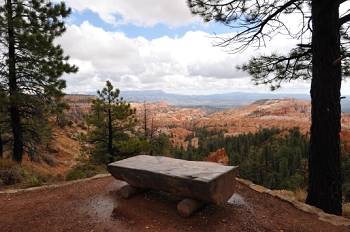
<point x="212" y="102"/>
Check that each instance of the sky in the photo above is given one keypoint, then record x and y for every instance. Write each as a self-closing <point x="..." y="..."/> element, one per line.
<point x="157" y="45"/>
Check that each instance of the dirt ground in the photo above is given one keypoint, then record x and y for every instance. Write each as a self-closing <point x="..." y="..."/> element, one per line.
<point x="96" y="205"/>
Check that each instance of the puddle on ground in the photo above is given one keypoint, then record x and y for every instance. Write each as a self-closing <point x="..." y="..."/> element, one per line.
<point x="101" y="207"/>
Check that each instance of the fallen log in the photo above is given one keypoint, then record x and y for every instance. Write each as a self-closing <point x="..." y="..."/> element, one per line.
<point x="187" y="206"/>
<point x="202" y="181"/>
<point x="128" y="191"/>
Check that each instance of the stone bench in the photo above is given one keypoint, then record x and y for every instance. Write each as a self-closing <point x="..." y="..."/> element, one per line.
<point x="197" y="181"/>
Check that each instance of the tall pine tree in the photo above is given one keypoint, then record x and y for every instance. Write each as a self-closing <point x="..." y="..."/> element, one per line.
<point x="110" y="118"/>
<point x="323" y="36"/>
<point x="31" y="68"/>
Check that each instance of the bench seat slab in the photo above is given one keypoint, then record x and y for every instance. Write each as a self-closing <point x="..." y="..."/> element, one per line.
<point x="203" y="181"/>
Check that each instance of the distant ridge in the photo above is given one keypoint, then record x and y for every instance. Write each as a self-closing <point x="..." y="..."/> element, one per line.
<point x="219" y="101"/>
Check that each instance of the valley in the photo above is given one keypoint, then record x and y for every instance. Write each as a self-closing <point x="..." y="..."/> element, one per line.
<point x="178" y="122"/>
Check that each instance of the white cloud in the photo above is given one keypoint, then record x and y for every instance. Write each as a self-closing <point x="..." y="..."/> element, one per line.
<point x="138" y="12"/>
<point x="188" y="64"/>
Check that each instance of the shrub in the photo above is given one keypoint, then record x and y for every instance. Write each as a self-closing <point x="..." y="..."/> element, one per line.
<point x="50" y="160"/>
<point x="10" y="172"/>
<point x="75" y="175"/>
<point x="100" y="157"/>
<point x="11" y="175"/>
<point x="84" y="155"/>
<point x="84" y="171"/>
<point x="31" y="178"/>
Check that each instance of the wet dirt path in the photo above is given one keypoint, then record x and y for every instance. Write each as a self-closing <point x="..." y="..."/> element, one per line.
<point x="96" y="205"/>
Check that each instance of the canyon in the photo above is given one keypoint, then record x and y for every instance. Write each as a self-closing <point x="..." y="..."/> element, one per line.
<point x="96" y="205"/>
<point x="178" y="122"/>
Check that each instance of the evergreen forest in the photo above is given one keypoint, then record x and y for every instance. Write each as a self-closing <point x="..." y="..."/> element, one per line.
<point x="274" y="158"/>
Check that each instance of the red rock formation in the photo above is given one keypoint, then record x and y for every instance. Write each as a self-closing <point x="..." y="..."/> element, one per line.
<point x="194" y="142"/>
<point x="178" y="122"/>
<point x="218" y="157"/>
<point x="79" y="105"/>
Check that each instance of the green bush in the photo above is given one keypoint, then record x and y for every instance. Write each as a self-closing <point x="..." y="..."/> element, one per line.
<point x="98" y="155"/>
<point x="75" y="175"/>
<point x="31" y="178"/>
<point x="84" y="171"/>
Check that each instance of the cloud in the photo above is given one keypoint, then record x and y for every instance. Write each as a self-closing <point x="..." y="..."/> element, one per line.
<point x="187" y="64"/>
<point x="173" y="13"/>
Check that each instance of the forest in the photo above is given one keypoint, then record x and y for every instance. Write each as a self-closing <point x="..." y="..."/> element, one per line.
<point x="274" y="158"/>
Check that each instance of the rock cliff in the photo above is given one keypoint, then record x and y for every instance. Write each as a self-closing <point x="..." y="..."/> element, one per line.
<point x="218" y="156"/>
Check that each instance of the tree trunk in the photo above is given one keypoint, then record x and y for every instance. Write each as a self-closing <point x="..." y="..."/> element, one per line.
<point x="145" y="118"/>
<point x="110" y="131"/>
<point x="1" y="147"/>
<point x="17" y="135"/>
<point x="324" y="167"/>
<point x="14" y="108"/>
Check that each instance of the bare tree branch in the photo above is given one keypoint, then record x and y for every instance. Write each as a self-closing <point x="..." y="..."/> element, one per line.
<point x="344" y="19"/>
<point x="255" y="22"/>
<point x="337" y="61"/>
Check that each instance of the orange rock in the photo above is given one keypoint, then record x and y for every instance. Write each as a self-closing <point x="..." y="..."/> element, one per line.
<point x="218" y="157"/>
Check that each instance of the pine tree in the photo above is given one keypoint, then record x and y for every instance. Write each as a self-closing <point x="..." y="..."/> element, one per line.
<point x="111" y="117"/>
<point x="161" y="146"/>
<point x="323" y="43"/>
<point x="31" y="68"/>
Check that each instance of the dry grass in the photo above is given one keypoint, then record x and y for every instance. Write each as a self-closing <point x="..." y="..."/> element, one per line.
<point x="49" y="159"/>
<point x="7" y="163"/>
<point x="10" y="173"/>
<point x="14" y="175"/>
<point x="346" y="210"/>
<point x="300" y="195"/>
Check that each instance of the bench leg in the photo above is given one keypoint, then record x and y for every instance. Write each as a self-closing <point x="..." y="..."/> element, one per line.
<point x="128" y="191"/>
<point x="187" y="206"/>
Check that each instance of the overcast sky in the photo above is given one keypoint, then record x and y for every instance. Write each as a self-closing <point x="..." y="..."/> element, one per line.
<point x="156" y="45"/>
